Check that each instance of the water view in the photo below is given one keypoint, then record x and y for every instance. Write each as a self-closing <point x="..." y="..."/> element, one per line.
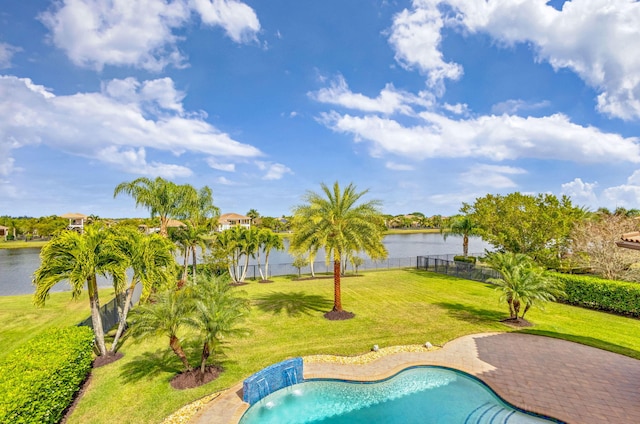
<point x="17" y="265"/>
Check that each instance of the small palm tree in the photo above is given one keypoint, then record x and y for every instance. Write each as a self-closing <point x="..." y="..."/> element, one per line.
<point x="522" y="282"/>
<point x="460" y="226"/>
<point x="336" y="222"/>
<point x="269" y="242"/>
<point x="167" y="314"/>
<point x="79" y="259"/>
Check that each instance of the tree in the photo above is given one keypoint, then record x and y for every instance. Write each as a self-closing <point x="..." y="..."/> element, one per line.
<point x="538" y="226"/>
<point x="188" y="239"/>
<point x="166" y="315"/>
<point x="522" y="282"/>
<point x="163" y="198"/>
<point x="253" y="214"/>
<point x="218" y="311"/>
<point x="593" y="246"/>
<point x="79" y="259"/>
<point x="150" y="259"/>
<point x="336" y="222"/>
<point x="268" y="242"/>
<point x="460" y="226"/>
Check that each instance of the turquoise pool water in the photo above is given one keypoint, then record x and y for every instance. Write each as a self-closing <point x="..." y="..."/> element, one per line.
<point x="416" y="395"/>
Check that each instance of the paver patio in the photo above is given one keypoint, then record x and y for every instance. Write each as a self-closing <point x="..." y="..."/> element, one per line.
<point x="568" y="381"/>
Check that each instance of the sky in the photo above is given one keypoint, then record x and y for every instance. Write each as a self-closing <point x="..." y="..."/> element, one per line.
<point x="426" y="104"/>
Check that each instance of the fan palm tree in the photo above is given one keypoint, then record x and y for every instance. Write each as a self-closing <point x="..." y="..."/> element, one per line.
<point x="150" y="258"/>
<point x="522" y="282"/>
<point x="166" y="315"/>
<point x="460" y="226"/>
<point x="79" y="259"/>
<point x="335" y="222"/>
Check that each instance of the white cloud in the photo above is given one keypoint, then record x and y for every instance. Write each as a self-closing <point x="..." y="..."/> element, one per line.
<point x="580" y="192"/>
<point x="121" y="126"/>
<point x="512" y="106"/>
<point x="596" y="39"/>
<point x="415" y="37"/>
<point x="274" y="171"/>
<point x="228" y="167"/>
<point x="398" y="166"/>
<point x="6" y="54"/>
<point x="224" y="181"/>
<point x="389" y="100"/>
<point x="625" y="195"/>
<point x="493" y="137"/>
<point x="138" y="33"/>
<point x="491" y="176"/>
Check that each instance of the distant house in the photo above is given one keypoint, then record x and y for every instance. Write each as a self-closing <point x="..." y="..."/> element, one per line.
<point x="4" y="231"/>
<point x="230" y="220"/>
<point x="76" y="221"/>
<point x="171" y="223"/>
<point x="630" y="240"/>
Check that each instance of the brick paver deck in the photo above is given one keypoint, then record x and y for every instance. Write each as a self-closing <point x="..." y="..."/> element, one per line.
<point x="568" y="381"/>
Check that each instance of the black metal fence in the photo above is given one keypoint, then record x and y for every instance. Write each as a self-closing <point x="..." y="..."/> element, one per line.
<point x="110" y="312"/>
<point x="466" y="270"/>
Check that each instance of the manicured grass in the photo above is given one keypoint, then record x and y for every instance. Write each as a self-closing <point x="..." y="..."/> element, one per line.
<point x="392" y="308"/>
<point x="20" y="244"/>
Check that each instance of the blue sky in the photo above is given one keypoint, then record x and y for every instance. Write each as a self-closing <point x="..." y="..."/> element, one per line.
<point x="427" y="104"/>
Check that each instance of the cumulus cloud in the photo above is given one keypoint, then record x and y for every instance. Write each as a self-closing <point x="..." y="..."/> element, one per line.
<point x="398" y="166"/>
<point x="596" y="39"/>
<point x="120" y="126"/>
<point x="493" y="137"/>
<point x="625" y="195"/>
<point x="139" y="33"/>
<point x="6" y="54"/>
<point x="389" y="101"/>
<point x="513" y="106"/>
<point x="580" y="192"/>
<point x="491" y="176"/>
<point x="274" y="171"/>
<point x="228" y="167"/>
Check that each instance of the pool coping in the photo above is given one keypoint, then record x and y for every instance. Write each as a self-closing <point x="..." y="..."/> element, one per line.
<point x="554" y="397"/>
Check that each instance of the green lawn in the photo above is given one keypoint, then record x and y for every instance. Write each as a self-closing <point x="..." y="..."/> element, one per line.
<point x="392" y="308"/>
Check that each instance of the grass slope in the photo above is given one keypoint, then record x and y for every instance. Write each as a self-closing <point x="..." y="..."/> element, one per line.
<point x="392" y="308"/>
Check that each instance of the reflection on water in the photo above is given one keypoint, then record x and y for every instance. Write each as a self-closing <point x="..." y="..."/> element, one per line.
<point x="17" y="265"/>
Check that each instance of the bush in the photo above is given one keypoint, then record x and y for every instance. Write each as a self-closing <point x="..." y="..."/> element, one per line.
<point x="38" y="380"/>
<point x="469" y="259"/>
<point x="597" y="293"/>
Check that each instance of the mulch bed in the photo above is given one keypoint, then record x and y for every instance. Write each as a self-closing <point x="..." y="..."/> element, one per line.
<point x="517" y="322"/>
<point x="339" y="315"/>
<point x="194" y="378"/>
<point x="265" y="281"/>
<point x="107" y="359"/>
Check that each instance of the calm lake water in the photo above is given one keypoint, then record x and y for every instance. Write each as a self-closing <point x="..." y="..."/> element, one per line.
<point x="17" y="265"/>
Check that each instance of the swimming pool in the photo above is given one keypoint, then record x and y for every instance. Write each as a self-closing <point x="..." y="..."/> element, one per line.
<point x="415" y="395"/>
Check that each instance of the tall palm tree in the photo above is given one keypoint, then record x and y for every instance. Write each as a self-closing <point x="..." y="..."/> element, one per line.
<point x="79" y="259"/>
<point x="150" y="258"/>
<point x="163" y="198"/>
<point x="460" y="226"/>
<point x="336" y="222"/>
<point x="228" y="243"/>
<point x="270" y="241"/>
<point x="522" y="282"/>
<point x="188" y="239"/>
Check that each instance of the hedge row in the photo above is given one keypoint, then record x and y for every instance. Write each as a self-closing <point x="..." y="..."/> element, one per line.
<point x="38" y="380"/>
<point x="597" y="293"/>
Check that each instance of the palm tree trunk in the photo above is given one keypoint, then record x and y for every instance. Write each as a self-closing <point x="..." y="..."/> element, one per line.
<point x="465" y="245"/>
<point x="246" y="266"/>
<point x="337" y="295"/>
<point x="177" y="349"/>
<point x="164" y="220"/>
<point x="194" y="254"/>
<point x="526" y="308"/>
<point x="185" y="264"/>
<point x="96" y="319"/>
<point x="205" y="355"/>
<point x="123" y="318"/>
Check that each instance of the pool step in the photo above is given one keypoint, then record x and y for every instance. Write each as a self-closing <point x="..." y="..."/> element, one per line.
<point x="489" y="413"/>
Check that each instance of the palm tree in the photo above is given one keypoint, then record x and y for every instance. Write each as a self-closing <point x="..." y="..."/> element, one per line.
<point x="336" y="223"/>
<point x="253" y="214"/>
<point x="270" y="241"/>
<point x="217" y="313"/>
<point x="79" y="259"/>
<point x="188" y="239"/>
<point x="150" y="258"/>
<point x="166" y="315"/>
<point x="163" y="198"/>
<point x="522" y="282"/>
<point x="460" y="226"/>
<point x="228" y="242"/>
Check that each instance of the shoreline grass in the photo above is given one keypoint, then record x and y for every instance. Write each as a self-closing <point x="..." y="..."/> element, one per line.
<point x="397" y="307"/>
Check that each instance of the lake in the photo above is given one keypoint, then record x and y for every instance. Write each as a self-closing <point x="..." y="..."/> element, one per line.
<point x="17" y="265"/>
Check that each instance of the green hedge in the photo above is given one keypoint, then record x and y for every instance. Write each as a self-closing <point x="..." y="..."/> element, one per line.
<point x="38" y="380"/>
<point x="597" y="293"/>
<point x="469" y="259"/>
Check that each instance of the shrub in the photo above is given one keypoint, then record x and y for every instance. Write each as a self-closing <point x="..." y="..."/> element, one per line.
<point x="597" y="293"/>
<point x="38" y="380"/>
<point x="469" y="259"/>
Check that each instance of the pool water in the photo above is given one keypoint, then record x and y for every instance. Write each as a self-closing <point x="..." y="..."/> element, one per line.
<point x="416" y="395"/>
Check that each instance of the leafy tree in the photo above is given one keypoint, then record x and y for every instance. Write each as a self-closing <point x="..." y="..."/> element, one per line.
<point x="357" y="262"/>
<point x="538" y="226"/>
<point x="253" y="214"/>
<point x="336" y="222"/>
<point x="460" y="226"/>
<point x="522" y="282"/>
<point x="150" y="259"/>
<point x="79" y="259"/>
<point x="163" y="198"/>
<point x="300" y="262"/>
